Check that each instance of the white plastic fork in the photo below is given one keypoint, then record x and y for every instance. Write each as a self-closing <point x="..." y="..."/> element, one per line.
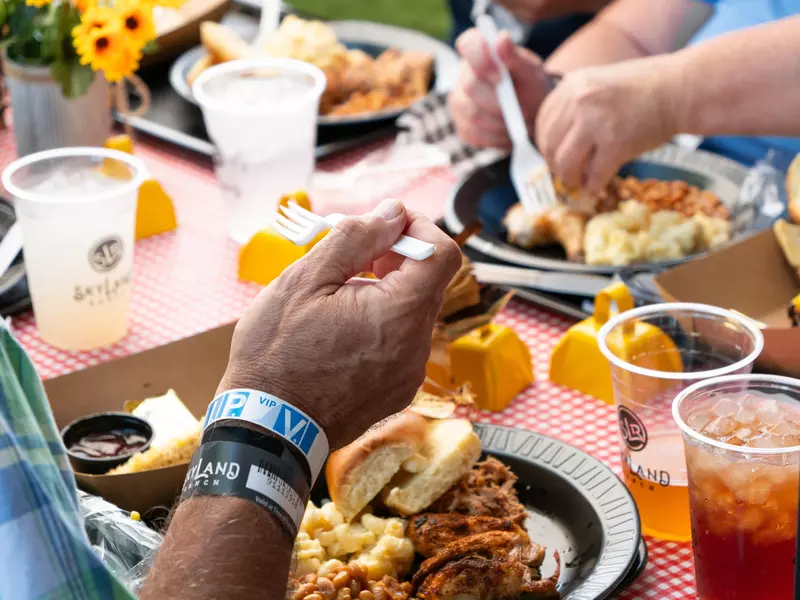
<point x="529" y="173"/>
<point x="300" y="226"/>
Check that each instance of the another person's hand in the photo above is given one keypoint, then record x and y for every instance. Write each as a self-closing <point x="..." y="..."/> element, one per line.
<point x="473" y="102"/>
<point x="347" y="355"/>
<point x="530" y="11"/>
<point x="598" y="118"/>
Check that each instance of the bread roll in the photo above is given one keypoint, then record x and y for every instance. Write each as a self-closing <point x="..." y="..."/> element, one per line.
<point x="793" y="189"/>
<point x="451" y="449"/>
<point x="357" y="473"/>
<point x="223" y="43"/>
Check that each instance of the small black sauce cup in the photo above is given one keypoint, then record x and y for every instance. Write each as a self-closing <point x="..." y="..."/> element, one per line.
<point x="103" y="423"/>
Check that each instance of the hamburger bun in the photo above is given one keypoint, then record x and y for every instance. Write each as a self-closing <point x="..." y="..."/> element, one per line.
<point x="358" y="472"/>
<point x="451" y="449"/>
<point x="793" y="189"/>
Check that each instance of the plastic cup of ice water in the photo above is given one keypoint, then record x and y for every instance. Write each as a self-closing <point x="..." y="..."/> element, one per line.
<point x="77" y="212"/>
<point x="681" y="344"/>
<point x="742" y="439"/>
<point x="261" y="115"/>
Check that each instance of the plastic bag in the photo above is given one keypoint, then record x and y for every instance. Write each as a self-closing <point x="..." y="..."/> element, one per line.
<point x="125" y="545"/>
<point x="764" y="187"/>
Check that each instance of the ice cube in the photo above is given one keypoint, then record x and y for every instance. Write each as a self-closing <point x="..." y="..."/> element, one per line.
<point x="752" y="401"/>
<point x="698" y="420"/>
<point x="770" y="412"/>
<point x="752" y="518"/>
<point x="782" y="428"/>
<point x="720" y="427"/>
<point x="733" y="440"/>
<point x="754" y="492"/>
<point x="789" y="440"/>
<point x="765" y="440"/>
<point x="725" y="407"/>
<point x="745" y="415"/>
<point x="743" y="434"/>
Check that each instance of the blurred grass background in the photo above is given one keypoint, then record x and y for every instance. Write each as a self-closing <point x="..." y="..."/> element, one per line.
<point x="430" y="16"/>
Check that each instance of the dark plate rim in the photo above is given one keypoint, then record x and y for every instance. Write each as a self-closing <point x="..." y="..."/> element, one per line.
<point x="619" y="516"/>
<point x="725" y="173"/>
<point x="446" y="63"/>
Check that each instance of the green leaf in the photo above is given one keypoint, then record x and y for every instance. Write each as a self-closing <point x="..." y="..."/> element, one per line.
<point x="150" y="47"/>
<point x="73" y="77"/>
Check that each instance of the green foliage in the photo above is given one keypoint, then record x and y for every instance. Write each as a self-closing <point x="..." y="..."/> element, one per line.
<point x="429" y="16"/>
<point x="43" y="37"/>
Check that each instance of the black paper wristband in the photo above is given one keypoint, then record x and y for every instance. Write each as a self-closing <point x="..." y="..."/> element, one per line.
<point x="240" y="470"/>
<point x="252" y="435"/>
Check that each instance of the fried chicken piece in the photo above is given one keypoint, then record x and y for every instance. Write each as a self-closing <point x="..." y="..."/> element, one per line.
<point x="556" y="224"/>
<point x="431" y="532"/>
<point x="479" y="578"/>
<point x="486" y="491"/>
<point x="580" y="200"/>
<point x="527" y="230"/>
<point x="494" y="565"/>
<point x="568" y="228"/>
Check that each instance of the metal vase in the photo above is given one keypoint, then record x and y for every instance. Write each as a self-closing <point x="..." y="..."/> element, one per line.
<point x="44" y="119"/>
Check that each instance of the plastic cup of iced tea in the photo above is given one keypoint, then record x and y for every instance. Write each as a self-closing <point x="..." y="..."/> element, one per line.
<point x="655" y="352"/>
<point x="742" y="440"/>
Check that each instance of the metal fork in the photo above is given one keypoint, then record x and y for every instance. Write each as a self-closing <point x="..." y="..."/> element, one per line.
<point x="300" y="226"/>
<point x="529" y="173"/>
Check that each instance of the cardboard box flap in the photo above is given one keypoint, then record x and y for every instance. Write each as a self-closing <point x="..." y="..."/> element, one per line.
<point x="192" y="367"/>
<point x="751" y="277"/>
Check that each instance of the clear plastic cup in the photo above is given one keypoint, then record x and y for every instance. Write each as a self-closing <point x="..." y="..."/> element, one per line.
<point x="655" y="352"/>
<point x="77" y="212"/>
<point x="742" y="440"/>
<point x="261" y="115"/>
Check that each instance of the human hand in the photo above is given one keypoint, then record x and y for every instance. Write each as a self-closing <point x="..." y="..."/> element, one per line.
<point x="599" y="118"/>
<point x="473" y="102"/>
<point x="530" y="11"/>
<point x="347" y="355"/>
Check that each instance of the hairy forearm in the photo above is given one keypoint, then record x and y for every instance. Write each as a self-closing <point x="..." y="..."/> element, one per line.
<point x="630" y="29"/>
<point x="742" y="83"/>
<point x="220" y="547"/>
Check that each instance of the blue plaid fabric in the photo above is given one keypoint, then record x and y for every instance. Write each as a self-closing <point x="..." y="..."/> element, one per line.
<point x="44" y="551"/>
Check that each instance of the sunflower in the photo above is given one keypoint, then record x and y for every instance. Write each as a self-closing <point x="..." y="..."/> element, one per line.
<point x="106" y="49"/>
<point x="168" y="3"/>
<point x="94" y="17"/>
<point x="37" y="3"/>
<point x="137" y="21"/>
<point x="84" y="5"/>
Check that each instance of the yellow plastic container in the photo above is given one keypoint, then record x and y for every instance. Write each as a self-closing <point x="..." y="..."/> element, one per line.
<point x="266" y="255"/>
<point x="299" y="197"/>
<point x="794" y="310"/>
<point x="155" y="212"/>
<point x="495" y="362"/>
<point x="577" y="362"/>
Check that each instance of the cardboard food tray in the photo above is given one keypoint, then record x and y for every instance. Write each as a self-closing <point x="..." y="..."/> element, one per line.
<point x="753" y="278"/>
<point x="192" y="367"/>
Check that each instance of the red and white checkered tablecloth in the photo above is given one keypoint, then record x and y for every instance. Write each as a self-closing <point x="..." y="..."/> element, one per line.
<point x="185" y="282"/>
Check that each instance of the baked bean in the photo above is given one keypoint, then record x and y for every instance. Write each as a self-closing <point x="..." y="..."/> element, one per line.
<point x="344" y="594"/>
<point x="304" y="590"/>
<point x="341" y="579"/>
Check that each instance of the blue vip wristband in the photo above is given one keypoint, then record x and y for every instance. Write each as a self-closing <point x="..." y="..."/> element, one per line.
<point x="276" y="416"/>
